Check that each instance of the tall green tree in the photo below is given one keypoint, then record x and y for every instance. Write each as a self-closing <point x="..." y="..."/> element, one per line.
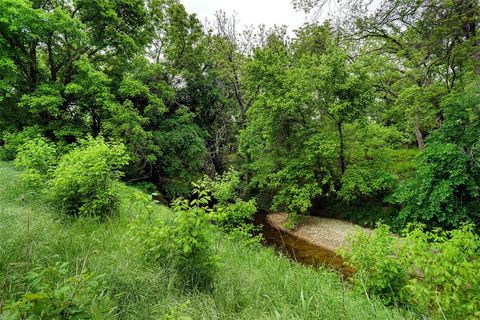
<point x="43" y="42"/>
<point x="431" y="45"/>
<point x="445" y="191"/>
<point x="310" y="97"/>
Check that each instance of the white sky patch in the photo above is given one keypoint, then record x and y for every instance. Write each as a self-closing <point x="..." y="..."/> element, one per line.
<point x="250" y="12"/>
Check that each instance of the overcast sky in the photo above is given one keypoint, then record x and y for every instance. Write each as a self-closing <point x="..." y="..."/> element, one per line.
<point x="249" y="12"/>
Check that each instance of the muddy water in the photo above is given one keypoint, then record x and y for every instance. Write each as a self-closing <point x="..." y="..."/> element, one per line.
<point x="300" y="250"/>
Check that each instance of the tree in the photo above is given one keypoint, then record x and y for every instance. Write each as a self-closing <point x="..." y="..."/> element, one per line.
<point x="428" y="47"/>
<point x="45" y="42"/>
<point x="295" y="141"/>
<point x="445" y="189"/>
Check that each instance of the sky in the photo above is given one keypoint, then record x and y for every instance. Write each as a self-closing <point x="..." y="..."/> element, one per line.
<point x="249" y="12"/>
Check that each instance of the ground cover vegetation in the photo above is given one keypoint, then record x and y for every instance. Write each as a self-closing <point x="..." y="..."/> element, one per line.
<point x="149" y="262"/>
<point x="109" y="107"/>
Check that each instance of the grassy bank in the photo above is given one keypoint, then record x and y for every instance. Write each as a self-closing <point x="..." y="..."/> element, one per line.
<point x="251" y="283"/>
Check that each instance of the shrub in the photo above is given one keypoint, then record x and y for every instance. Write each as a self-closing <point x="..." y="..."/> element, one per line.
<point x="360" y="182"/>
<point x="442" y="188"/>
<point x="224" y="188"/>
<point x="236" y="220"/>
<point x="52" y="294"/>
<point x="84" y="182"/>
<point x="375" y="258"/>
<point x="148" y="229"/>
<point x="368" y="173"/>
<point x="232" y="214"/>
<point x="445" y="190"/>
<point x="434" y="272"/>
<point x="184" y="243"/>
<point x="13" y="141"/>
<point x="37" y="158"/>
<point x="191" y="248"/>
<point x="443" y="268"/>
<point x="236" y="214"/>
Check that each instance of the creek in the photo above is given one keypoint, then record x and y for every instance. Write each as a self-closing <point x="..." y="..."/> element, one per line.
<point x="300" y="250"/>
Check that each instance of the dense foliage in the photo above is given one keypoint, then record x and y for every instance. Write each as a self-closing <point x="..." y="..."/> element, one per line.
<point x="84" y="182"/>
<point x="433" y="272"/>
<point x="184" y="242"/>
<point x="445" y="189"/>
<point x="37" y="158"/>
<point x="232" y="214"/>
<point x="316" y="119"/>
<point x="309" y="134"/>
<point x="371" y="116"/>
<point x="83" y="269"/>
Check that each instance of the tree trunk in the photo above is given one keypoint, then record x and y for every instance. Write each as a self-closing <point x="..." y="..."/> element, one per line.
<point x="470" y="8"/>
<point x="342" y="148"/>
<point x="51" y="60"/>
<point x="216" y="158"/>
<point x="420" y="138"/>
<point x="96" y="125"/>
<point x="33" y="65"/>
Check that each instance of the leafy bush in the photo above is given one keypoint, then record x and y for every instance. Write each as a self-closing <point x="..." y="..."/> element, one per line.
<point x="433" y="272"/>
<point x="236" y="220"/>
<point x="191" y="248"/>
<point x="84" y="182"/>
<point x="443" y="268"/>
<point x="52" y="294"/>
<point x="13" y="141"/>
<point x="234" y="215"/>
<point x="368" y="173"/>
<point x="184" y="243"/>
<point x="231" y="213"/>
<point x="375" y="257"/>
<point x="224" y="187"/>
<point x="37" y="154"/>
<point x="179" y="150"/>
<point x="363" y="182"/>
<point x="37" y="158"/>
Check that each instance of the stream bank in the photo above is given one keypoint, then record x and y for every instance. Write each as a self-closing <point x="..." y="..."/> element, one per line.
<point x="323" y="232"/>
<point x="312" y="242"/>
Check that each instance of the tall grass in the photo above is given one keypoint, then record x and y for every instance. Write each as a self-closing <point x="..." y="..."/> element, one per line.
<point x="252" y="282"/>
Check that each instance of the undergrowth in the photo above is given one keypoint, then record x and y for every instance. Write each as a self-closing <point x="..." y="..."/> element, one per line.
<point x="251" y="282"/>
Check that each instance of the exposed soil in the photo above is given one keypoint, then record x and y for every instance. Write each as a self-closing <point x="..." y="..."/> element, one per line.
<point x="322" y="232"/>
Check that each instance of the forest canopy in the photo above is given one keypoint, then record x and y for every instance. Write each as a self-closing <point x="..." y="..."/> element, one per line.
<point x="377" y="110"/>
